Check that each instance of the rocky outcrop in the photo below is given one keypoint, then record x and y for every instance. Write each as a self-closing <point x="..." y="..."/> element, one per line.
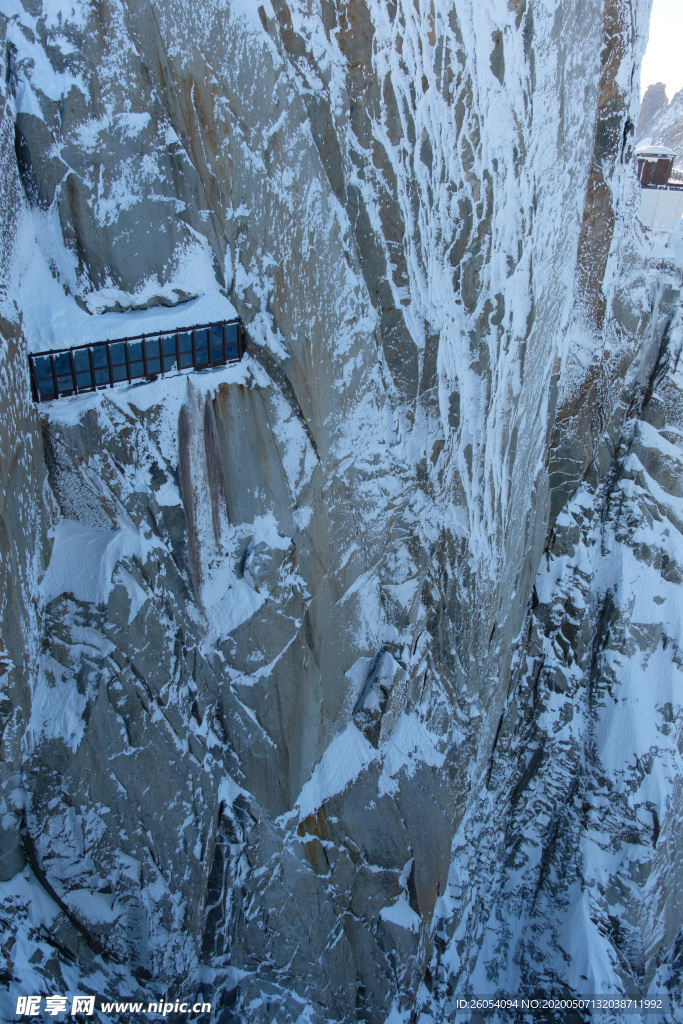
<point x="317" y="653"/>
<point x="660" y="122"/>
<point x="652" y="105"/>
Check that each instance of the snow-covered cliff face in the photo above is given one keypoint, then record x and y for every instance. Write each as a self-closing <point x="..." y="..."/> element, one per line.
<point x="348" y="678"/>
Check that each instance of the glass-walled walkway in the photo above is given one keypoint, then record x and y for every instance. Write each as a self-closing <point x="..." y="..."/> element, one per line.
<point x="63" y="372"/>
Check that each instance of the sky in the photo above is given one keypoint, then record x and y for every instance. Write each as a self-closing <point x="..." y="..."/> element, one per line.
<point x="663" y="61"/>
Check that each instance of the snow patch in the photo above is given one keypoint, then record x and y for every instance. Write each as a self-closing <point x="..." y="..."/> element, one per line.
<point x="56" y="710"/>
<point x="83" y="560"/>
<point x="347" y="756"/>
<point x="409" y="746"/>
<point x="401" y="914"/>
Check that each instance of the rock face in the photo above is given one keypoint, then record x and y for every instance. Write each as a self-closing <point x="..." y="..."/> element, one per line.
<point x="348" y="680"/>
<point x="661" y="123"/>
<point x="652" y="105"/>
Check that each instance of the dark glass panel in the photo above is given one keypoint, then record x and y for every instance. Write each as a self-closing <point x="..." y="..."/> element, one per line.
<point x="153" y="359"/>
<point x="120" y="372"/>
<point x="81" y="361"/>
<point x="231" y="334"/>
<point x="118" y="354"/>
<point x="99" y="356"/>
<point x="65" y="382"/>
<point x="168" y="352"/>
<point x="201" y="348"/>
<point x="216" y="335"/>
<point x="137" y="363"/>
<point x="232" y="350"/>
<point x="44" y="369"/>
<point x="63" y="364"/>
<point x="46" y="388"/>
<point x="99" y="359"/>
<point x="185" y="344"/>
<point x="84" y="379"/>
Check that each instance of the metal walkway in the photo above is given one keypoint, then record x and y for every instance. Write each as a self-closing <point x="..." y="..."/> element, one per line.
<point x="72" y="371"/>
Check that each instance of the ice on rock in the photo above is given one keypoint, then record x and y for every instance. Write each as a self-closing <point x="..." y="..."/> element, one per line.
<point x="345" y="680"/>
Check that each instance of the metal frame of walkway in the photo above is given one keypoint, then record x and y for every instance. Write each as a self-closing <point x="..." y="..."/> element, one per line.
<point x="61" y="372"/>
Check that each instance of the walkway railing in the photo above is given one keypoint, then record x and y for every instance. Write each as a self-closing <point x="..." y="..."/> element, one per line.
<point x="71" y="371"/>
<point x="673" y="185"/>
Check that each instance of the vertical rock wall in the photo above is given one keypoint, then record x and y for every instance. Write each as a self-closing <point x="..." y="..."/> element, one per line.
<point x="284" y="730"/>
<point x="21" y="529"/>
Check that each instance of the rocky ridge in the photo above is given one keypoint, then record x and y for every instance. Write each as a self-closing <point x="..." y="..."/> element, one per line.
<point x="661" y="122"/>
